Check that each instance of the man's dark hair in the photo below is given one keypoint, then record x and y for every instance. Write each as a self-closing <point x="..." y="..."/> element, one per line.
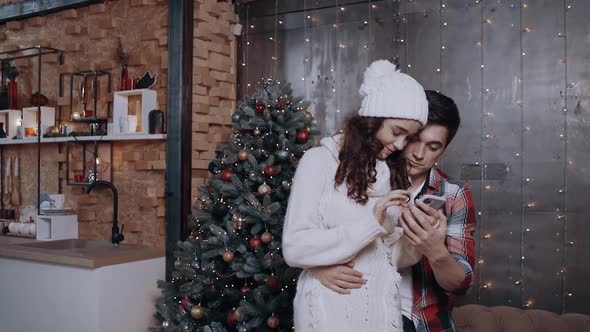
<point x="443" y="111"/>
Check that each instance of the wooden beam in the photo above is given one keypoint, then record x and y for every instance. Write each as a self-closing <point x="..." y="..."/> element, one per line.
<point x="179" y="113"/>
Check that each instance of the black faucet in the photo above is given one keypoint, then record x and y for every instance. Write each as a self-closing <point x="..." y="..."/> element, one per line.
<point x="116" y="236"/>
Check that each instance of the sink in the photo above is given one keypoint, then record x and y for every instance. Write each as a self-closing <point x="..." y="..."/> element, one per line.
<point x="69" y="244"/>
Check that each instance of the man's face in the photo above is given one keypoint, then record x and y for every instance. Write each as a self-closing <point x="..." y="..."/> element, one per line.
<point x="424" y="149"/>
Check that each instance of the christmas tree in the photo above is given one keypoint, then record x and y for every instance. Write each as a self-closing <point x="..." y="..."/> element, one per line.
<point x="230" y="274"/>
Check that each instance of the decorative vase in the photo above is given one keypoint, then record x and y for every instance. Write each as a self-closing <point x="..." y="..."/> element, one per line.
<point x="156" y="122"/>
<point x="125" y="80"/>
<point x="12" y="95"/>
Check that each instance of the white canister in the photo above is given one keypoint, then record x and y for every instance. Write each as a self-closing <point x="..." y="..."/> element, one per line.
<point x="14" y="227"/>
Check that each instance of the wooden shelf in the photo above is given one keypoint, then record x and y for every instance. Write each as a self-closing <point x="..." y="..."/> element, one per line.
<point x="127" y="137"/>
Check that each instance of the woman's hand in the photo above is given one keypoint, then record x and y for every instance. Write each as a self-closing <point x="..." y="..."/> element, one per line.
<point x="393" y="198"/>
<point x="339" y="278"/>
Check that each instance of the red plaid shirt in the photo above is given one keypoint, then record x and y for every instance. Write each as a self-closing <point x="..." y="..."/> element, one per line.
<point x="432" y="307"/>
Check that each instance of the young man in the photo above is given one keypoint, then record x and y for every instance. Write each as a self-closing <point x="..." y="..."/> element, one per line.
<point x="444" y="237"/>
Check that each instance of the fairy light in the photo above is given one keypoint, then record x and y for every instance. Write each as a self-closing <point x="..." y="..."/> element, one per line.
<point x="481" y="146"/>
<point x="522" y="164"/>
<point x="566" y="242"/>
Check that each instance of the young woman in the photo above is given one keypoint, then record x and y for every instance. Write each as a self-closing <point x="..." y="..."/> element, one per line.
<point x="343" y="207"/>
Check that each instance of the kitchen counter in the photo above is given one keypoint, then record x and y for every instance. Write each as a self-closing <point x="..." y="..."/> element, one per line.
<point x="78" y="285"/>
<point x="88" y="254"/>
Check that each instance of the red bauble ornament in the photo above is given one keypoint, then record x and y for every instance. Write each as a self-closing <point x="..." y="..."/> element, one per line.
<point x="280" y="105"/>
<point x="185" y="302"/>
<point x="232" y="318"/>
<point x="271" y="170"/>
<point x="273" y="282"/>
<point x="302" y="136"/>
<point x="226" y="174"/>
<point x="260" y="108"/>
<point x="245" y="289"/>
<point x="255" y="242"/>
<point x="273" y="322"/>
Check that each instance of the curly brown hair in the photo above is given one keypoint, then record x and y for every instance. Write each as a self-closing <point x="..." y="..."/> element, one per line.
<point x="358" y="157"/>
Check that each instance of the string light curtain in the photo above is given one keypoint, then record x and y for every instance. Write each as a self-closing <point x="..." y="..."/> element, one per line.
<point x="518" y="72"/>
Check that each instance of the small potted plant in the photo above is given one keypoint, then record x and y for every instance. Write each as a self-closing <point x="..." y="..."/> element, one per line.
<point x="11" y="73"/>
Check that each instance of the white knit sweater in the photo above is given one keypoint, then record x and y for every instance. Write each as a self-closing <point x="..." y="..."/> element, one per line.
<point x="324" y="227"/>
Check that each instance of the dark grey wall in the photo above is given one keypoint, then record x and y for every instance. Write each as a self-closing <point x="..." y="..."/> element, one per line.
<point x="513" y="69"/>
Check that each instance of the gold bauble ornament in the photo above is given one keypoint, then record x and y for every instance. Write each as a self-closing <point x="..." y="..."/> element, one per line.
<point x="177" y="263"/>
<point x="264" y="189"/>
<point x="197" y="312"/>
<point x="228" y="256"/>
<point x="237" y="222"/>
<point x="273" y="322"/>
<point x="266" y="237"/>
<point x="257" y="132"/>
<point x="243" y="155"/>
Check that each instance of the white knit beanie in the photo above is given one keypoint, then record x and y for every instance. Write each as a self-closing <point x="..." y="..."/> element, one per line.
<point x="388" y="93"/>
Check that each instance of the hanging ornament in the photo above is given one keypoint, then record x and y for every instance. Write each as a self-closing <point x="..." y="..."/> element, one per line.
<point x="288" y="102"/>
<point x="166" y="323"/>
<point x="213" y="169"/>
<point x="237" y="220"/>
<point x="197" y="312"/>
<point x="282" y="154"/>
<point x="185" y="302"/>
<point x="177" y="263"/>
<point x="264" y="189"/>
<point x="307" y="115"/>
<point x="273" y="321"/>
<point x="226" y="174"/>
<point x="286" y="184"/>
<point x="257" y="132"/>
<point x="271" y="170"/>
<point x="245" y="289"/>
<point x="211" y="291"/>
<point x="219" y="210"/>
<point x="228" y="256"/>
<point x="243" y="155"/>
<point x="254" y="242"/>
<point x="232" y="318"/>
<point x="260" y="108"/>
<point x="270" y="141"/>
<point x="195" y="264"/>
<point x="280" y="105"/>
<point x="273" y="282"/>
<point x="236" y="117"/>
<point x="266" y="237"/>
<point x="302" y="136"/>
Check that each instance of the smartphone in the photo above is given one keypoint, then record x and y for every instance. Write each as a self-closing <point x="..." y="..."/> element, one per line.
<point x="435" y="202"/>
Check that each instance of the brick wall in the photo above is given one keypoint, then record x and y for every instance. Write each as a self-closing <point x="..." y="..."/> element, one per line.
<point x="88" y="35"/>
<point x="214" y="82"/>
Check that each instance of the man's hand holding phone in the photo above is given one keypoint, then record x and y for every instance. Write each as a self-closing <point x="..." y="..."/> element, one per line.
<point x="424" y="226"/>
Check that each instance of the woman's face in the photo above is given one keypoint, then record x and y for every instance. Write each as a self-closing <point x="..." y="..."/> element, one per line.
<point x="394" y="135"/>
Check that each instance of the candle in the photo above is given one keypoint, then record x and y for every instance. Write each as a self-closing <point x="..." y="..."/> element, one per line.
<point x="8" y="167"/>
<point x="15" y="166"/>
